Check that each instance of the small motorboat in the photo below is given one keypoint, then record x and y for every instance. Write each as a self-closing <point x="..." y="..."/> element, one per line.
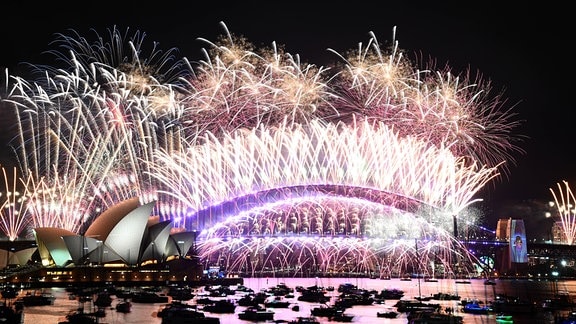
<point x="476" y="308"/>
<point x="305" y="320"/>
<point x="504" y="319"/>
<point x="124" y="307"/>
<point x="388" y="314"/>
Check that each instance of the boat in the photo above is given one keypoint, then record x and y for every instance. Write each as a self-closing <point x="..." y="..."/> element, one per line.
<point x="305" y="320"/>
<point x="350" y="300"/>
<point x="340" y="316"/>
<point x="221" y="307"/>
<point x="464" y="301"/>
<point x="504" y="319"/>
<point x="314" y="298"/>
<point x="428" y="317"/>
<point x="79" y="317"/>
<point x="37" y="299"/>
<point x="246" y="300"/>
<point x="463" y="281"/>
<point x="445" y="296"/>
<point x="9" y="292"/>
<point x="210" y="301"/>
<point x="125" y="293"/>
<point x="391" y="293"/>
<point x="333" y="312"/>
<point x="569" y="319"/>
<point x="347" y="287"/>
<point x="103" y="299"/>
<point x="149" y="297"/>
<point x="183" y="293"/>
<point x="181" y="313"/>
<point x="325" y="310"/>
<point x="219" y="291"/>
<point x="476" y="308"/>
<point x="424" y="298"/>
<point x="280" y="289"/>
<point x="124" y="307"/>
<point x="388" y="314"/>
<point x="12" y="314"/>
<point x="276" y="302"/>
<point x="256" y="314"/>
<point x="560" y="301"/>
<point x="512" y="305"/>
<point x="314" y="294"/>
<point x="408" y="306"/>
<point x="490" y="282"/>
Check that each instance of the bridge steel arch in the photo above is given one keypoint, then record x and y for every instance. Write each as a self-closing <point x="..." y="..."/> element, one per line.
<point x="327" y="229"/>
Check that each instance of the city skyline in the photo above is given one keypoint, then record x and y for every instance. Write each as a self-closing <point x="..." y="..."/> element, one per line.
<point x="480" y="41"/>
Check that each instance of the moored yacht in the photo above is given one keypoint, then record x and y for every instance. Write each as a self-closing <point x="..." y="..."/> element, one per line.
<point x="256" y="314"/>
<point x="180" y="313"/>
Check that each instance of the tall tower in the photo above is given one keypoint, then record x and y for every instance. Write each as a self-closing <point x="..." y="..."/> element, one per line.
<point x="502" y="230"/>
<point x="514" y="257"/>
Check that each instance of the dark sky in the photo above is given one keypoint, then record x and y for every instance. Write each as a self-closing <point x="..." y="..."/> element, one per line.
<point x="524" y="51"/>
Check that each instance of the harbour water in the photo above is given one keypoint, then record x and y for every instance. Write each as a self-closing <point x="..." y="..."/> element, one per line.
<point x="472" y="289"/>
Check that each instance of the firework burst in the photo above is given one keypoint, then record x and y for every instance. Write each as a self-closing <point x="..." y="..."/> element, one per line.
<point x="275" y="161"/>
<point x="438" y="107"/>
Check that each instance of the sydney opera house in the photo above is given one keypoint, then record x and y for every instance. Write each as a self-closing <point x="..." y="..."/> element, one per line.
<point x="123" y="233"/>
<point x="250" y="159"/>
<point x="124" y="239"/>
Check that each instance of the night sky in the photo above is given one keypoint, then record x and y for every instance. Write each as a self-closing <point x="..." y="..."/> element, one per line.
<point x="523" y="51"/>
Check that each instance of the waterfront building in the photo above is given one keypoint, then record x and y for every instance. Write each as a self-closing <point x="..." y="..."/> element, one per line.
<point x="558" y="233"/>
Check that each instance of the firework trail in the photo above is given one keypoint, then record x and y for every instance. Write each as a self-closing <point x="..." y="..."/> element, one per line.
<point x="565" y="202"/>
<point x="242" y="143"/>
<point x="13" y="217"/>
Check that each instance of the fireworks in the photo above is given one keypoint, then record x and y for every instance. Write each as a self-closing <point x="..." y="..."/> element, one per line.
<point x="565" y="202"/>
<point x="274" y="161"/>
<point x="13" y="218"/>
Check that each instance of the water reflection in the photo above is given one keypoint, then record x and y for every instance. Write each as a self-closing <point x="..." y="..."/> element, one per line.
<point x="475" y="289"/>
